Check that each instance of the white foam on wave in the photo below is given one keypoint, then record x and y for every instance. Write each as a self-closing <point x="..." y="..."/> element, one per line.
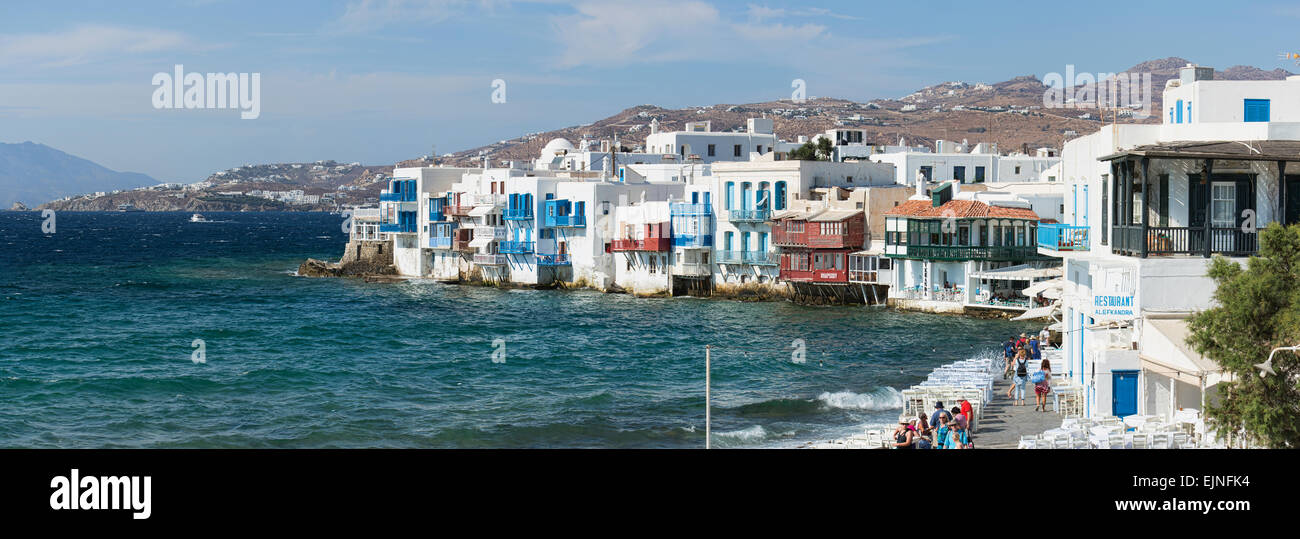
<point x="756" y="432"/>
<point x="882" y="399"/>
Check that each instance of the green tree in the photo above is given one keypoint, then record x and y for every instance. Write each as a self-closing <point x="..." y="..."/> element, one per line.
<point x="807" y="152"/>
<point x="1257" y="310"/>
<point x="813" y="151"/>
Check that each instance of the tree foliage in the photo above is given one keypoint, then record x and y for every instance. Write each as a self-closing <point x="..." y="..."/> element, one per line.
<point x="1257" y="310"/>
<point x="813" y="151"/>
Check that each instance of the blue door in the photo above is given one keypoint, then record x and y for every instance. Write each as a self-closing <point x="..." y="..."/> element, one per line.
<point x="1124" y="393"/>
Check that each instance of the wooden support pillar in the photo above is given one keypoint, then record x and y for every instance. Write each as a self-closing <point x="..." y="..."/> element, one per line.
<point x="1281" y="193"/>
<point x="1146" y="211"/>
<point x="1209" y="206"/>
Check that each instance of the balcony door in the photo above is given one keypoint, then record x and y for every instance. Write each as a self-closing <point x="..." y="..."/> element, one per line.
<point x="1292" y="199"/>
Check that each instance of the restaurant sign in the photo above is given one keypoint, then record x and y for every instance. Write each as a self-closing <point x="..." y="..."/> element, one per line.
<point x="1120" y="306"/>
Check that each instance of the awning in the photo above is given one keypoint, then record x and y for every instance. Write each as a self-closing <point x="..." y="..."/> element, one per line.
<point x="482" y="242"/>
<point x="1022" y="272"/>
<point x="1039" y="312"/>
<point x="1165" y="351"/>
<point x="480" y="211"/>
<point x="834" y="215"/>
<point x="1044" y="286"/>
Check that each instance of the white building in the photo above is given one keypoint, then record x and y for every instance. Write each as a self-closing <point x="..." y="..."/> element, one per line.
<point x="748" y="193"/>
<point x="1147" y="205"/>
<point x="710" y="146"/>
<point x="978" y="164"/>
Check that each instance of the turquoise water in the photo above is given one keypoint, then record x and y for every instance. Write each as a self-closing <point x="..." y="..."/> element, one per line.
<point x="97" y="322"/>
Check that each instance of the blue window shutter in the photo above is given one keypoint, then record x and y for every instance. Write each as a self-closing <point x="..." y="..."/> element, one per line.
<point x="1178" y="110"/>
<point x="1256" y="110"/>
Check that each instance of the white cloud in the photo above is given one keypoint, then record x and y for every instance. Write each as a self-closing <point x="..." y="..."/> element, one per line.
<point x="368" y="15"/>
<point x="85" y="43"/>
<point x="625" y="32"/>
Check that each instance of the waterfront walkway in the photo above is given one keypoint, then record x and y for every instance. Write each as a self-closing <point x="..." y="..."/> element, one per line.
<point x="1002" y="424"/>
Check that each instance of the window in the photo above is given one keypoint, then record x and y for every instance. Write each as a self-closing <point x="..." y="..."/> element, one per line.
<point x="1017" y="169"/>
<point x="1105" y="207"/>
<point x="780" y="196"/>
<point x="979" y="174"/>
<point x="1256" y="110"/>
<point x="959" y="174"/>
<point x="713" y="150"/>
<point x="758" y="149"/>
<point x="1178" y="111"/>
<point x="731" y="195"/>
<point x="737" y="150"/>
<point x="926" y="172"/>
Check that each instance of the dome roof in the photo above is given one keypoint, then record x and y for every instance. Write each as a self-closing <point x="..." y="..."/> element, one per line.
<point x="555" y="145"/>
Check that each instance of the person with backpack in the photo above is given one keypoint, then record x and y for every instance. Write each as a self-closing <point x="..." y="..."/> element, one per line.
<point x="1022" y="374"/>
<point x="1042" y="385"/>
<point x="1035" y="349"/>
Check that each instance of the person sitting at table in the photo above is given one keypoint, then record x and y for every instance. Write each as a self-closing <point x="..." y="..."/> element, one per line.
<point x="1043" y="387"/>
<point x="903" y="435"/>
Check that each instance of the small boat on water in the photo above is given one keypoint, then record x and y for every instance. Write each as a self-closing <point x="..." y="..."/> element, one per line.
<point x="198" y="218"/>
<point x="128" y="207"/>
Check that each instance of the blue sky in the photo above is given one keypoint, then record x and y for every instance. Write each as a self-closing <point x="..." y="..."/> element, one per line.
<point x="378" y="81"/>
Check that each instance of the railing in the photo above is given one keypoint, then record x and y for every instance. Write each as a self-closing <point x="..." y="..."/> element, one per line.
<point x="1060" y="237"/>
<point x="518" y="214"/>
<point x="938" y="294"/>
<point x="367" y="231"/>
<point x="1015" y="303"/>
<point x="946" y="252"/>
<point x="1167" y="240"/>
<point x="751" y="216"/>
<point x="682" y="208"/>
<point x="693" y="240"/>
<point x="489" y="260"/>
<point x="566" y="221"/>
<point x="692" y="269"/>
<point x="489" y="231"/>
<point x="514" y="247"/>
<point x="756" y="258"/>
<point x="553" y="260"/>
<point x="863" y="276"/>
<point x="440" y="242"/>
<point x="436" y="216"/>
<point x="397" y="197"/>
<point x="458" y="211"/>
<point x="397" y="228"/>
<point x="645" y="244"/>
<point x="494" y="199"/>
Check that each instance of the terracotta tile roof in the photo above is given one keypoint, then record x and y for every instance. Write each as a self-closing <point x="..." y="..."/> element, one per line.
<point x="959" y="209"/>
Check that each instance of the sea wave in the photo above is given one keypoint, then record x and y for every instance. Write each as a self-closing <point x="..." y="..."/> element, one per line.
<point x="882" y="399"/>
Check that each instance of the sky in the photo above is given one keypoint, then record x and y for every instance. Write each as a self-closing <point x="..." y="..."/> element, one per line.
<point x="378" y="81"/>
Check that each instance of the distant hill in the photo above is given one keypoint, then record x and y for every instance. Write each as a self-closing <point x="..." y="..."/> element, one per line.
<point x="35" y="173"/>
<point x="1007" y="113"/>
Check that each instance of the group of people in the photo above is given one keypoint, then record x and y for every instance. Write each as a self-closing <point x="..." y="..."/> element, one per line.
<point x="1018" y="353"/>
<point x="944" y="429"/>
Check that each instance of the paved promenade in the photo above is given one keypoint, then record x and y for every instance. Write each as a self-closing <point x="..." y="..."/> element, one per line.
<point x="1003" y="424"/>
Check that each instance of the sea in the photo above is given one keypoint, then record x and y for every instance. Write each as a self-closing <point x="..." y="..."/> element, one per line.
<point x="145" y="330"/>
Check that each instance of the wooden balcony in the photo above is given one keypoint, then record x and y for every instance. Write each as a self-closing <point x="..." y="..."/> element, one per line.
<point x="646" y="244"/>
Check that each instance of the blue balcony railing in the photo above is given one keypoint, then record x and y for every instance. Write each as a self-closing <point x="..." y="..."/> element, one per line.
<point x="756" y="258"/>
<point x="751" y="216"/>
<point x="517" y="214"/>
<point x="397" y="228"/>
<point x="692" y="240"/>
<point x="566" y="221"/>
<point x="440" y="242"/>
<point x="683" y="208"/>
<point x="514" y="247"/>
<point x="1061" y="237"/>
<point x="397" y="197"/>
<point x="553" y="260"/>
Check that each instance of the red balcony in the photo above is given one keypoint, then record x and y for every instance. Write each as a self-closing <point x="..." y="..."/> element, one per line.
<point x="815" y="267"/>
<point x="836" y="229"/>
<point x="647" y="244"/>
<point x="458" y="211"/>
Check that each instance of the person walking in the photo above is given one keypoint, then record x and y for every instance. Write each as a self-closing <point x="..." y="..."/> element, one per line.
<point x="1022" y="374"/>
<point x="1035" y="349"/>
<point x="941" y="433"/>
<point x="1042" y="385"/>
<point x="1008" y="352"/>
<point x="1044" y="337"/>
<point x="939" y="412"/>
